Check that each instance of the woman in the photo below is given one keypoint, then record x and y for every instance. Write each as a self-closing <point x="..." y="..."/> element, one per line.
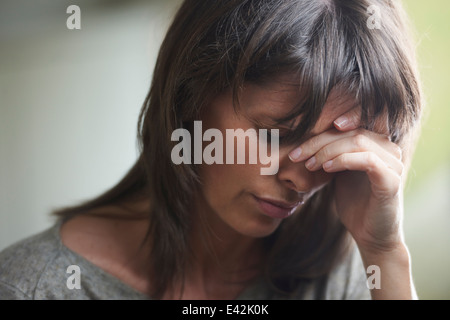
<point x="344" y="95"/>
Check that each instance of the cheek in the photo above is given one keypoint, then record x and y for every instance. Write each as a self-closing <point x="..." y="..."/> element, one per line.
<point x="321" y="179"/>
<point x="224" y="182"/>
<point x="324" y="177"/>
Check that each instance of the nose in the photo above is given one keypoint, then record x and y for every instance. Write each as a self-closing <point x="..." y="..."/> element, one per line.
<point x="296" y="177"/>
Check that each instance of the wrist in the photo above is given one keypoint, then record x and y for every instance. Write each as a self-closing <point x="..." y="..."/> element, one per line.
<point x="397" y="252"/>
<point x="395" y="272"/>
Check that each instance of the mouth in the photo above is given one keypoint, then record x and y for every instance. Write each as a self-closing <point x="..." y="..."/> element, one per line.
<point x="277" y="209"/>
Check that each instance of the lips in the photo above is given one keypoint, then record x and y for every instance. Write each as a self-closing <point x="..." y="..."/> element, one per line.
<point x="275" y="208"/>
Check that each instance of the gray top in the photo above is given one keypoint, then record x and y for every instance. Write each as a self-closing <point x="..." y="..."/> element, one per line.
<point x="37" y="268"/>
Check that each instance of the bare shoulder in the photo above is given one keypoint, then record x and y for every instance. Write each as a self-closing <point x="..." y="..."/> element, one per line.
<point x="113" y="244"/>
<point x="89" y="234"/>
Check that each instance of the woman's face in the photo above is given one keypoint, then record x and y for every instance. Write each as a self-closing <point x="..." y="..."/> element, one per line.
<point x="236" y="196"/>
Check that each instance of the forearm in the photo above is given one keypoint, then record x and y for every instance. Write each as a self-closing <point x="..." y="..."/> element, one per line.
<point x="395" y="273"/>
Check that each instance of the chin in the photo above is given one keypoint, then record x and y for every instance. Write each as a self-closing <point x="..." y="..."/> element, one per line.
<point x="259" y="227"/>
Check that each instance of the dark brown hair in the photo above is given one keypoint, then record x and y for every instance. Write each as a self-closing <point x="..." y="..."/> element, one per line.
<point x="213" y="45"/>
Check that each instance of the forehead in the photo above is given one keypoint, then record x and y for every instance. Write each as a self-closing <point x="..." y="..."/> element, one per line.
<point x="275" y="100"/>
<point x="336" y="105"/>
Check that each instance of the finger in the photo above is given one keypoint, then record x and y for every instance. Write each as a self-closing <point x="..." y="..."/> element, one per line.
<point x="308" y="148"/>
<point x="352" y="120"/>
<point x="357" y="143"/>
<point x="349" y="120"/>
<point x="384" y="180"/>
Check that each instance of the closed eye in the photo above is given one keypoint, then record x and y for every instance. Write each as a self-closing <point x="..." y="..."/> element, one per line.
<point x="272" y="133"/>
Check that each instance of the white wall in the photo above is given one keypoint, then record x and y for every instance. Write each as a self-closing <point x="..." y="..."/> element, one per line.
<point x="69" y="101"/>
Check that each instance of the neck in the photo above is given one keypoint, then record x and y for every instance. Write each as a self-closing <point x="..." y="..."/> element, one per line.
<point x="224" y="250"/>
<point x="223" y="262"/>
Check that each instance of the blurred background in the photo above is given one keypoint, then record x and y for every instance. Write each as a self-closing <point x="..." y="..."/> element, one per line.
<point x="69" y="103"/>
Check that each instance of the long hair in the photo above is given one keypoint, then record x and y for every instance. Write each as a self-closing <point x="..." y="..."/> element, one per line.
<point x="213" y="45"/>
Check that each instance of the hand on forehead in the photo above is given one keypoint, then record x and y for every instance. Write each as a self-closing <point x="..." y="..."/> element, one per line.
<point x="340" y="111"/>
<point x="343" y="112"/>
<point x="266" y="103"/>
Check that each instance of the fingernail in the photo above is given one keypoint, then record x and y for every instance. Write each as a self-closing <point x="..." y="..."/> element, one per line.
<point x="295" y="154"/>
<point x="310" y="163"/>
<point x="341" y="122"/>
<point x="328" y="164"/>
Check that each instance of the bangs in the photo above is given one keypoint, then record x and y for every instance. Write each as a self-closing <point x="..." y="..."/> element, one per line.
<point x="327" y="45"/>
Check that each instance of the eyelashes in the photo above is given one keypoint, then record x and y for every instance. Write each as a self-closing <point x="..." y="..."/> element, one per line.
<point x="285" y="135"/>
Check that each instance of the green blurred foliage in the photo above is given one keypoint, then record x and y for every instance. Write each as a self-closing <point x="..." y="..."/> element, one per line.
<point x="431" y="24"/>
<point x="427" y="201"/>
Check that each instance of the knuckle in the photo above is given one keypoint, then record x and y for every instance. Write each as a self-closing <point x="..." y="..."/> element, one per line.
<point x="360" y="141"/>
<point x="394" y="187"/>
<point x="343" y="160"/>
<point x="397" y="184"/>
<point x="313" y="144"/>
<point x="398" y="152"/>
<point x="371" y="160"/>
<point x="323" y="154"/>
